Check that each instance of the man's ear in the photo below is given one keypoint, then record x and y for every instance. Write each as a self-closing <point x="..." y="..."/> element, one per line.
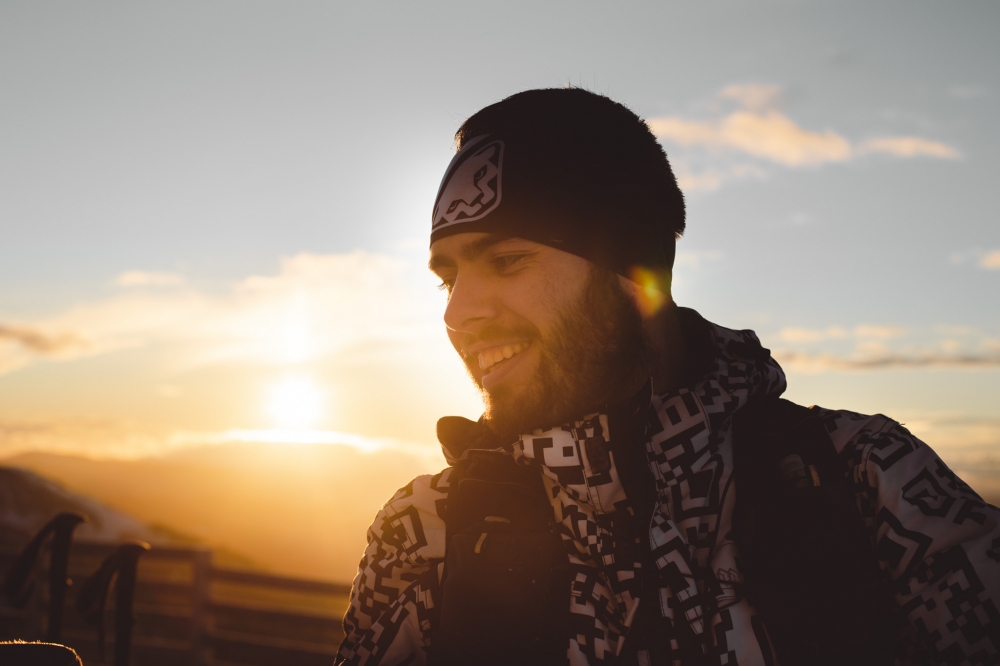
<point x="649" y="289"/>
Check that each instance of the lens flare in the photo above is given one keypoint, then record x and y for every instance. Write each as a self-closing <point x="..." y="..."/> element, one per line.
<point x="655" y="288"/>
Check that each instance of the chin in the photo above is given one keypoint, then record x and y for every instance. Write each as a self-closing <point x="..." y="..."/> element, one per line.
<point x="511" y="413"/>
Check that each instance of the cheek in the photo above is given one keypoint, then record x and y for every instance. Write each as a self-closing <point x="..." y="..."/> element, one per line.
<point x="527" y="310"/>
<point x="552" y="300"/>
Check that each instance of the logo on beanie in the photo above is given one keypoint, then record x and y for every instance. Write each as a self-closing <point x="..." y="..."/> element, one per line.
<point x="471" y="186"/>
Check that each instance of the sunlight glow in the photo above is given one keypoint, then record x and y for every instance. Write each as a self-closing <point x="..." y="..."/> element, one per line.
<point x="307" y="436"/>
<point x="296" y="403"/>
<point x="294" y="337"/>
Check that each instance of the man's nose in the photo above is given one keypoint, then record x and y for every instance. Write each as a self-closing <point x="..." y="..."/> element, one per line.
<point x="470" y="305"/>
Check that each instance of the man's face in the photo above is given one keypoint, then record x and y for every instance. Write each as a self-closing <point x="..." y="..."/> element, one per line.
<point x="545" y="335"/>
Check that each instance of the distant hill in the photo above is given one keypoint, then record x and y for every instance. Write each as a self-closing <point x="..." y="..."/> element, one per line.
<point x="300" y="510"/>
<point x="28" y="501"/>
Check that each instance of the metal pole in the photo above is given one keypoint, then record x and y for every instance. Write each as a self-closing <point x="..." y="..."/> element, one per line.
<point x="201" y="588"/>
<point x="63" y="526"/>
<point x="124" y="595"/>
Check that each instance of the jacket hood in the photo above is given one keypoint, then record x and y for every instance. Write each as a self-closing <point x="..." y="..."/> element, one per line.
<point x="732" y="362"/>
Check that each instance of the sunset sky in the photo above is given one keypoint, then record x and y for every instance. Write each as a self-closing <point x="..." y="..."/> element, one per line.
<point x="214" y="215"/>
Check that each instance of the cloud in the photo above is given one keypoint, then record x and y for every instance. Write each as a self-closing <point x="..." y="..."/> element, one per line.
<point x="881" y="332"/>
<point x="39" y="342"/>
<point x="365" y="328"/>
<point x="22" y="344"/>
<point x="758" y="130"/>
<point x="691" y="179"/>
<point x="800" y="335"/>
<point x="753" y="96"/>
<point x="73" y="435"/>
<point x="312" y="307"/>
<point x="825" y="362"/>
<point x="696" y="259"/>
<point x="706" y="181"/>
<point x="875" y="347"/>
<point x="766" y="135"/>
<point x="795" y="334"/>
<point x="968" y="444"/>
<point x="986" y="259"/>
<point x="991" y="261"/>
<point x="146" y="279"/>
<point x="121" y="439"/>
<point x="908" y="146"/>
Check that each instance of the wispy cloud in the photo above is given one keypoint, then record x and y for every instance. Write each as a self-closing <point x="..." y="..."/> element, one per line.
<point x="72" y="435"/>
<point x="754" y="96"/>
<point x="110" y="438"/>
<point x="873" y="347"/>
<point x="40" y="342"/>
<point x="862" y="331"/>
<point x="364" y="329"/>
<point x="968" y="443"/>
<point x="312" y="307"/>
<point x="990" y="261"/>
<point x="23" y="344"/>
<point x="798" y="335"/>
<point x="908" y="146"/>
<point x="881" y="332"/>
<point x="824" y="362"/>
<point x="691" y="181"/>
<point x="757" y="129"/>
<point x="704" y="179"/>
<point x="693" y="259"/>
<point x="767" y="135"/>
<point x="147" y="279"/>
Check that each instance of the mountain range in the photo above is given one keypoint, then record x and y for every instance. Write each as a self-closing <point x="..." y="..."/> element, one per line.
<point x="298" y="510"/>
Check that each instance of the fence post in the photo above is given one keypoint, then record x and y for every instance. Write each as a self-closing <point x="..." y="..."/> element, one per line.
<point x="201" y="589"/>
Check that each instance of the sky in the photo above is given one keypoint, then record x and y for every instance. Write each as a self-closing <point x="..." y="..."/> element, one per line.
<point x="214" y="215"/>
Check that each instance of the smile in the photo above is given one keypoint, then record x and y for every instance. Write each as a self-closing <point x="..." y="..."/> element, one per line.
<point x="491" y="359"/>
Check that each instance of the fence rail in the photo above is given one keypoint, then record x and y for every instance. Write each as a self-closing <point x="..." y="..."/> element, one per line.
<point x="279" y="582"/>
<point x="189" y="612"/>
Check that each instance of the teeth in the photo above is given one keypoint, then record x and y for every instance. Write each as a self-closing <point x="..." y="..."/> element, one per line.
<point x="491" y="357"/>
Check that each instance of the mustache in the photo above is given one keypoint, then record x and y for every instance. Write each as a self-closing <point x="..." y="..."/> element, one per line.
<point x="493" y="333"/>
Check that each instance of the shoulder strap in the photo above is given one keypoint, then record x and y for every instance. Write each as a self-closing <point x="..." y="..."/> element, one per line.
<point x="506" y="578"/>
<point x="806" y="557"/>
<point x="766" y="418"/>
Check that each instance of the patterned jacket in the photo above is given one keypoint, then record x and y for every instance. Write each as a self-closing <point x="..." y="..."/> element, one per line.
<point x="937" y="542"/>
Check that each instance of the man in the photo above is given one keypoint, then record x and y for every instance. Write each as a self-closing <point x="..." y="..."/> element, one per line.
<point x="635" y="492"/>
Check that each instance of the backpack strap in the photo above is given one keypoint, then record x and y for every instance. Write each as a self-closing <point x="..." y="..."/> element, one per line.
<point x="807" y="561"/>
<point x="505" y="588"/>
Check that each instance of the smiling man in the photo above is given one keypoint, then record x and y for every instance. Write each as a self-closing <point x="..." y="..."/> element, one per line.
<point x="636" y="492"/>
<point x="542" y="332"/>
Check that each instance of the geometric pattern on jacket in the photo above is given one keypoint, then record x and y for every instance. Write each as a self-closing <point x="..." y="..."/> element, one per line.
<point x="936" y="541"/>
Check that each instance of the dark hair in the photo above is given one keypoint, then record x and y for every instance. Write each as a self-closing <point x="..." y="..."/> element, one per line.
<point x="602" y="128"/>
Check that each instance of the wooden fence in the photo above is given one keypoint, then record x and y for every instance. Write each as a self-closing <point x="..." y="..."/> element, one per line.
<point x="189" y="612"/>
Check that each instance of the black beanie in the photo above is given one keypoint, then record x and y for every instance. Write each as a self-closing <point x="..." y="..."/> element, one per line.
<point x="570" y="169"/>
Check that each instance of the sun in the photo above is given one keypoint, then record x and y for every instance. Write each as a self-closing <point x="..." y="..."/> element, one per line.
<point x="295" y="402"/>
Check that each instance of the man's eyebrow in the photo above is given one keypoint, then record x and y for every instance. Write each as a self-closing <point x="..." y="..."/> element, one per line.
<point x="468" y="252"/>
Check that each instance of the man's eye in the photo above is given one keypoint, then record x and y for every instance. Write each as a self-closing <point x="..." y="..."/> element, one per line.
<point x="506" y="261"/>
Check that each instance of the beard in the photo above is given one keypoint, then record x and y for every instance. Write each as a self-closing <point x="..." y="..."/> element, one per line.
<point x="597" y="353"/>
